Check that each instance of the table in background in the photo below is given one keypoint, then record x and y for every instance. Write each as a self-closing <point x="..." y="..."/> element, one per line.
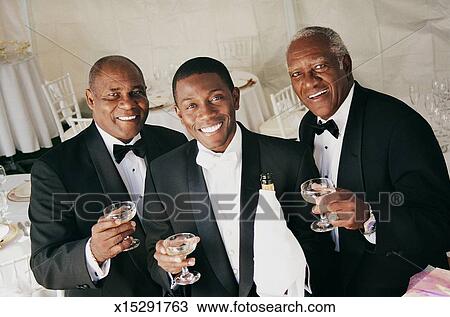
<point x="16" y="278"/>
<point x="26" y="122"/>
<point x="254" y="109"/>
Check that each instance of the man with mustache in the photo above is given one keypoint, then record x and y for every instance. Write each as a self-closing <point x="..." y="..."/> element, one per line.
<point x="373" y="145"/>
<point x="74" y="248"/>
<point x="224" y="158"/>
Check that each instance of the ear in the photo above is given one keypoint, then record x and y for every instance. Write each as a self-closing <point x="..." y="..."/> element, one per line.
<point x="178" y="112"/>
<point x="236" y="95"/>
<point x="347" y="64"/>
<point x="90" y="98"/>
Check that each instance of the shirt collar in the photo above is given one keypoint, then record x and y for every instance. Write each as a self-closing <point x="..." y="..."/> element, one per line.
<point x="341" y="115"/>
<point x="234" y="146"/>
<point x="110" y="140"/>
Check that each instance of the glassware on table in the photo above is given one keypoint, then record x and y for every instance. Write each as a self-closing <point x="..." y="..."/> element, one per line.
<point x="312" y="191"/>
<point x="125" y="211"/>
<point x="3" y="206"/>
<point x="414" y="94"/>
<point x="182" y="244"/>
<point x="2" y="175"/>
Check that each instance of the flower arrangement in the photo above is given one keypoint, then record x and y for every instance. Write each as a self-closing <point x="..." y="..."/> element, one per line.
<point x="14" y="50"/>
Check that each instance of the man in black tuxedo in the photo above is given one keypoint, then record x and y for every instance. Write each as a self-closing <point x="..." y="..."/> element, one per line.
<point x="74" y="248"/>
<point x="375" y="146"/>
<point x="224" y="158"/>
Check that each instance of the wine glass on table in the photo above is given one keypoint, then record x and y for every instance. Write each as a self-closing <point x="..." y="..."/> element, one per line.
<point x="182" y="244"/>
<point x="2" y="176"/>
<point x="124" y="211"/>
<point x="312" y="191"/>
<point x="414" y="94"/>
<point x="3" y="206"/>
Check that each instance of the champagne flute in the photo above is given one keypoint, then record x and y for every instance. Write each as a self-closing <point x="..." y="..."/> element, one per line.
<point x="312" y="191"/>
<point x="124" y="211"/>
<point x="182" y="244"/>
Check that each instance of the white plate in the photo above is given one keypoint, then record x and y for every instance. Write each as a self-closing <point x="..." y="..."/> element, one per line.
<point x="4" y="229"/>
<point x="240" y="82"/>
<point x="23" y="190"/>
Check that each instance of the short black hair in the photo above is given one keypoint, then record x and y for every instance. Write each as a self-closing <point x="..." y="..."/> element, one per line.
<point x="202" y="65"/>
<point x="97" y="68"/>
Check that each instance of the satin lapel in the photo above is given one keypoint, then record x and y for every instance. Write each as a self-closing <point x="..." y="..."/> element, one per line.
<point x="108" y="175"/>
<point x="113" y="186"/>
<point x="153" y="145"/>
<point x="306" y="133"/>
<point x="350" y="175"/>
<point x="205" y="221"/>
<point x="250" y="185"/>
<point x="350" y="166"/>
<point x="153" y="150"/>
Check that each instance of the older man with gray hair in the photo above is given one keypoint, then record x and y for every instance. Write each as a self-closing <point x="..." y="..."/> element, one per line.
<point x="393" y="209"/>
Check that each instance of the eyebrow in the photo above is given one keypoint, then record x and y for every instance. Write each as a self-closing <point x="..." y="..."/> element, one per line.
<point x="193" y="97"/>
<point x="314" y="61"/>
<point x="121" y="88"/>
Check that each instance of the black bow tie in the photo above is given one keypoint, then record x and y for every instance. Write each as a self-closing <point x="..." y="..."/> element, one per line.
<point x="330" y="125"/>
<point x="120" y="151"/>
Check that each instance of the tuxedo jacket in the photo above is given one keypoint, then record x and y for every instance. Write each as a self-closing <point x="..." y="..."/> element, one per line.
<point x="389" y="153"/>
<point x="70" y="186"/>
<point x="182" y="205"/>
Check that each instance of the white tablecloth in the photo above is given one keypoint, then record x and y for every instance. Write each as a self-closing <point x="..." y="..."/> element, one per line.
<point x="284" y="125"/>
<point x="166" y="117"/>
<point x="16" y="278"/>
<point x="254" y="109"/>
<point x="26" y="122"/>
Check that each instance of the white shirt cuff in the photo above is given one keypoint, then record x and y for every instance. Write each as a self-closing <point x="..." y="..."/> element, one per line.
<point x="372" y="237"/>
<point x="95" y="271"/>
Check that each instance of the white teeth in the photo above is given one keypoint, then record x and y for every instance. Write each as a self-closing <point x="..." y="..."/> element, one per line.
<point x="126" y="118"/>
<point x="212" y="128"/>
<point x="317" y="94"/>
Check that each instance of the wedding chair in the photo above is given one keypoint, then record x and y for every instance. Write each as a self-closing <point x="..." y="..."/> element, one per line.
<point x="285" y="100"/>
<point x="237" y="54"/>
<point x="288" y="111"/>
<point x="61" y="98"/>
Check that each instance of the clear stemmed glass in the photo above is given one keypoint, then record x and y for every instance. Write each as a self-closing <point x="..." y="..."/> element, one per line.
<point x="3" y="206"/>
<point x="125" y="211"/>
<point x="414" y="94"/>
<point x="2" y="175"/>
<point x="183" y="244"/>
<point x="312" y="191"/>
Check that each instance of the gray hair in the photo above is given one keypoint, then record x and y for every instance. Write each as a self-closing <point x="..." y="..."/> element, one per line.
<point x="337" y="46"/>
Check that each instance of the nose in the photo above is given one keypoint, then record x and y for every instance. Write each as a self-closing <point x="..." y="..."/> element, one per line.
<point x="205" y="110"/>
<point x="127" y="102"/>
<point x="311" y="79"/>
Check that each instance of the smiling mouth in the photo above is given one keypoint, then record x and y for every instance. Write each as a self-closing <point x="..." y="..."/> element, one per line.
<point x="318" y="94"/>
<point x="129" y="118"/>
<point x="211" y="129"/>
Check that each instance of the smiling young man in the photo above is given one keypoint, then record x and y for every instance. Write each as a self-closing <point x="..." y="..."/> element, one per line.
<point x="225" y="159"/>
<point x="374" y="145"/>
<point x="73" y="247"/>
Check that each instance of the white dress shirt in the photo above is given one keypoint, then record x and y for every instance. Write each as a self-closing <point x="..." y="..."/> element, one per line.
<point x="132" y="169"/>
<point x="223" y="176"/>
<point x="327" y="153"/>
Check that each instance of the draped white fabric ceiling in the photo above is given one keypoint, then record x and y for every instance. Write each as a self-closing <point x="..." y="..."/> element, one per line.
<point x="392" y="43"/>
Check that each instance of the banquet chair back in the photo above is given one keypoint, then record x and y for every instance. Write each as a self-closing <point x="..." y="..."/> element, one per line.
<point x="285" y="100"/>
<point x="237" y="54"/>
<point x="286" y="106"/>
<point x="61" y="98"/>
